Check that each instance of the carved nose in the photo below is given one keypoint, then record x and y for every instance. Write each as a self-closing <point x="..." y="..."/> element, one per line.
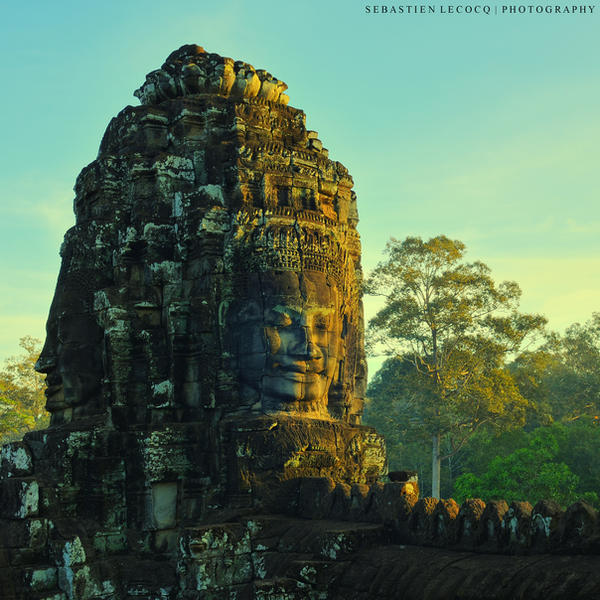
<point x="304" y="344"/>
<point x="312" y="350"/>
<point x="45" y="363"/>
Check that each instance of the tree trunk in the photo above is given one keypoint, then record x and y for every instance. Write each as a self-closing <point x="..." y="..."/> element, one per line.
<point x="435" y="467"/>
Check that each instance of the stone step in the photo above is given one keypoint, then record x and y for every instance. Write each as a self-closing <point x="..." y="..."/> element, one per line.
<point x="281" y="588"/>
<point x="325" y="539"/>
<point x="49" y="595"/>
<point x="316" y="574"/>
<point x="266" y="563"/>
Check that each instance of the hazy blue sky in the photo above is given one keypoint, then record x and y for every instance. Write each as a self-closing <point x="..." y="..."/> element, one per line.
<point x="484" y="128"/>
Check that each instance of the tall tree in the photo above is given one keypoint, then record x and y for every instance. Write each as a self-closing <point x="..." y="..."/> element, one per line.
<point x="390" y="411"/>
<point x="577" y="386"/>
<point x="457" y="327"/>
<point x="563" y="376"/>
<point x="22" y="399"/>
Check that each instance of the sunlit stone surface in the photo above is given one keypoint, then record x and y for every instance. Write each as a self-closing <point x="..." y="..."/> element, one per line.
<point x="215" y="263"/>
<point x="204" y="347"/>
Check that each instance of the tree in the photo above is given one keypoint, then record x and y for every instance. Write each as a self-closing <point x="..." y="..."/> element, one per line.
<point x="549" y="466"/>
<point x="22" y="398"/>
<point x="388" y="410"/>
<point x="533" y="372"/>
<point x="576" y="387"/>
<point x="404" y="443"/>
<point x="563" y="376"/>
<point x="457" y="328"/>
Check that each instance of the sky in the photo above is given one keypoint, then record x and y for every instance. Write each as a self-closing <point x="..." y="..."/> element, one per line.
<point x="484" y="128"/>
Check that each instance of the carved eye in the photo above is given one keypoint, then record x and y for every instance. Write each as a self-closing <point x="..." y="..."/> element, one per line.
<point x="320" y="323"/>
<point x="279" y="319"/>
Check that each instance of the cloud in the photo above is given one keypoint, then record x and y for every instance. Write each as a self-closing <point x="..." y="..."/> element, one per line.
<point x="565" y="290"/>
<point x="591" y="227"/>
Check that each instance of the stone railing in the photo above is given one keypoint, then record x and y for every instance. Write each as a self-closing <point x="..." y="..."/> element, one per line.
<point x="495" y="527"/>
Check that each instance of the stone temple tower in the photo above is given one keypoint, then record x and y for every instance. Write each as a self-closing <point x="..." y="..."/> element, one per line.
<point x="206" y="372"/>
<point x="204" y="348"/>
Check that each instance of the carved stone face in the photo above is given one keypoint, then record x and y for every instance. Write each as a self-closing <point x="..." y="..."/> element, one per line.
<point x="287" y="339"/>
<point x="71" y="357"/>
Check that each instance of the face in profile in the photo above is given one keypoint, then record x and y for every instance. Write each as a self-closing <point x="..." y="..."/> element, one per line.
<point x="71" y="357"/>
<point x="288" y="341"/>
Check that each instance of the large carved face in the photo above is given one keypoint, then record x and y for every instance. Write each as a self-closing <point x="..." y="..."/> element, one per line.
<point x="287" y="339"/>
<point x="71" y="357"/>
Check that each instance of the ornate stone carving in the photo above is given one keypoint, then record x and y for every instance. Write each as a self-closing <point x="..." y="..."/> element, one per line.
<point x="204" y="349"/>
<point x="192" y="70"/>
<point x="215" y="263"/>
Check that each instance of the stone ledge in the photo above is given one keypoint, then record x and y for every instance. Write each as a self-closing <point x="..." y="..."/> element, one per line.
<point x="497" y="527"/>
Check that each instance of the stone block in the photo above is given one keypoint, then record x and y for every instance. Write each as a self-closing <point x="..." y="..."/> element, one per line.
<point x="315" y="497"/>
<point x="517" y="524"/>
<point x="421" y="522"/>
<point x="110" y="542"/>
<point x="545" y="518"/>
<point x="397" y="501"/>
<point x="16" y="460"/>
<point x="27" y="533"/>
<point x="444" y="522"/>
<point x="359" y="494"/>
<point x="491" y="532"/>
<point x="374" y="503"/>
<point x="218" y="571"/>
<point x="164" y="504"/>
<point x="340" y="508"/>
<point x="467" y="522"/>
<point x="340" y="540"/>
<point x="278" y="589"/>
<point x="577" y="529"/>
<point x="41" y="579"/>
<point x="214" y="540"/>
<point x="19" y="498"/>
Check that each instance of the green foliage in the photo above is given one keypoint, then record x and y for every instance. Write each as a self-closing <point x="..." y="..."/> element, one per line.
<point x="524" y="431"/>
<point x="547" y="466"/>
<point x="580" y="450"/>
<point x="562" y="378"/>
<point x="486" y="444"/>
<point x="22" y="399"/>
<point x="575" y="384"/>
<point x="392" y="414"/>
<point x="533" y="373"/>
<point x="455" y="327"/>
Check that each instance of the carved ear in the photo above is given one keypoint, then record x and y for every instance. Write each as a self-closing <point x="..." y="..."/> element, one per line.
<point x="248" y="311"/>
<point x="339" y="372"/>
<point x="222" y="312"/>
<point x="344" y="327"/>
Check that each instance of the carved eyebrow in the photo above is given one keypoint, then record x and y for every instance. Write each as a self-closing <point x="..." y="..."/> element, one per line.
<point x="323" y="310"/>
<point x="289" y="310"/>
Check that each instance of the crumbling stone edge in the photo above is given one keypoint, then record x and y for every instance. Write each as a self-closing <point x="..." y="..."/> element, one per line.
<point x="496" y="527"/>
